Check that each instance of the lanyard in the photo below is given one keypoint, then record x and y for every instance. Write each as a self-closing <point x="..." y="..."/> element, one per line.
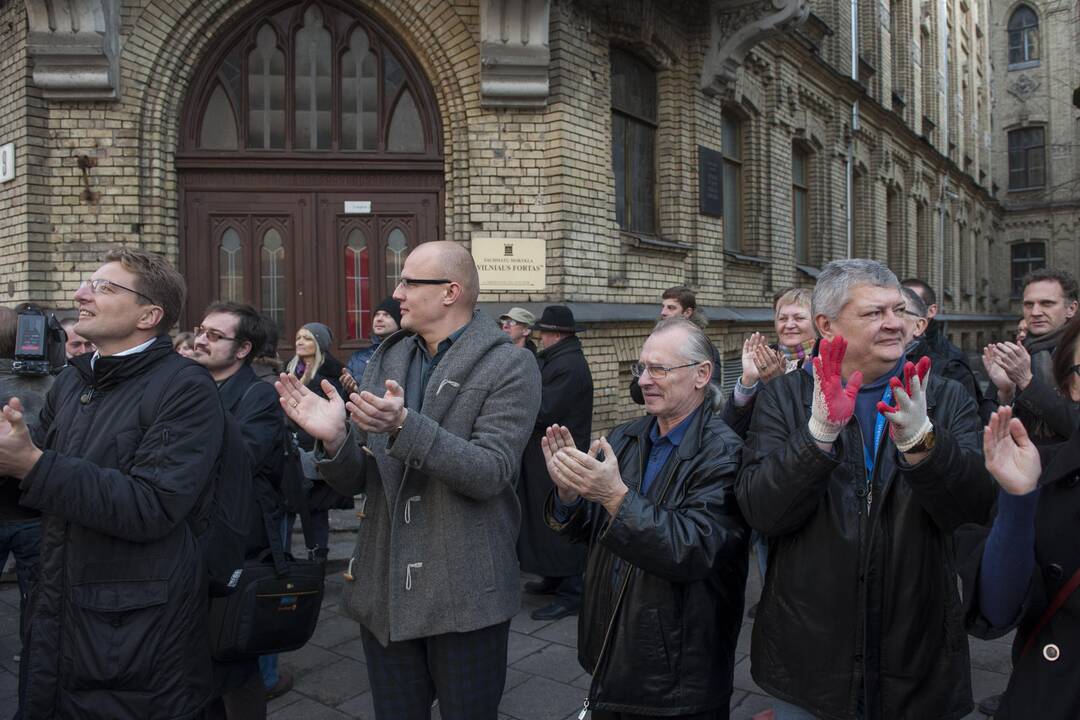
<point x="870" y="457"/>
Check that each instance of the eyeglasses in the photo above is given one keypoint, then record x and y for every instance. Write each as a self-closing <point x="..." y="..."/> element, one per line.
<point x="508" y="323"/>
<point x="656" y="372"/>
<point x="211" y="334"/>
<point x="413" y="282"/>
<point x="1075" y="369"/>
<point x="101" y="285"/>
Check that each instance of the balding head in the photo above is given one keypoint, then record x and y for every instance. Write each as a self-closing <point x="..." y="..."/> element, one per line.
<point x="438" y="290"/>
<point x="456" y="264"/>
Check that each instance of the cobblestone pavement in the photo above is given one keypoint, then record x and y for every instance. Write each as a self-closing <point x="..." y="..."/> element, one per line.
<point x="543" y="678"/>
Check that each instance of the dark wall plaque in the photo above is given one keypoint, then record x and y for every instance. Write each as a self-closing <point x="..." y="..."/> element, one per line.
<point x="710" y="181"/>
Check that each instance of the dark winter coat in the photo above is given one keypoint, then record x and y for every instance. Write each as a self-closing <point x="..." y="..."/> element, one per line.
<point x="321" y="496"/>
<point x="674" y="616"/>
<point x="1038" y="687"/>
<point x="836" y="567"/>
<point x="255" y="406"/>
<point x="118" y="616"/>
<point x="358" y="361"/>
<point x="949" y="362"/>
<point x="1049" y="417"/>
<point x="567" y="399"/>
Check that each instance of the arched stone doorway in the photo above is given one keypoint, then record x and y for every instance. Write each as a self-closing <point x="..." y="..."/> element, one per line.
<point x="310" y="163"/>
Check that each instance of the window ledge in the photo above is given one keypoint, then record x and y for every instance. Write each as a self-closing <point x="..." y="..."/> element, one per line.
<point x="651" y="242"/>
<point x="1034" y="188"/>
<point x="808" y="270"/>
<point x="1024" y="65"/>
<point x="748" y="259"/>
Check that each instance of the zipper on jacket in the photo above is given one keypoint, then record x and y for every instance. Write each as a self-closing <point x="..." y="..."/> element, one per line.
<point x="622" y="588"/>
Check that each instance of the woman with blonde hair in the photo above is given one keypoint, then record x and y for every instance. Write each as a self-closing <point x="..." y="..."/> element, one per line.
<point x="312" y="364"/>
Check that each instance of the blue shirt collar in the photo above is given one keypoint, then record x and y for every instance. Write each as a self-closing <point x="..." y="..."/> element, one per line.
<point x="443" y="346"/>
<point x="675" y="437"/>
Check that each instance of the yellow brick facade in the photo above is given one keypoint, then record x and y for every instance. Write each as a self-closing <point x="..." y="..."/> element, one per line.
<point x="923" y="196"/>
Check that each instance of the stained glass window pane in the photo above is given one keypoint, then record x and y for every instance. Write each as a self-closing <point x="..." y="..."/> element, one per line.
<point x="406" y="130"/>
<point x="397" y="248"/>
<point x="359" y="95"/>
<point x="218" y="123"/>
<point x="231" y="267"/>
<point x="272" y="268"/>
<point x="357" y="287"/>
<point x="266" y="93"/>
<point x="393" y="76"/>
<point x="313" y="92"/>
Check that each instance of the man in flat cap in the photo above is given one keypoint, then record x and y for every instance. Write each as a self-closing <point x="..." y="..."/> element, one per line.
<point x="517" y="323"/>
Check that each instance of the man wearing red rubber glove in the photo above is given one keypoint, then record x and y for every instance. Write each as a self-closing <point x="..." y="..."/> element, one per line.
<point x="857" y="471"/>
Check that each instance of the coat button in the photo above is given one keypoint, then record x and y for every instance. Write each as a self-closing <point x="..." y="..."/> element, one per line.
<point x="1074" y="480"/>
<point x="1052" y="652"/>
<point x="1054" y="572"/>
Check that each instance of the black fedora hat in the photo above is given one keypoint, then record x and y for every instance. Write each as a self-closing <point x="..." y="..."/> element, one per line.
<point x="558" y="318"/>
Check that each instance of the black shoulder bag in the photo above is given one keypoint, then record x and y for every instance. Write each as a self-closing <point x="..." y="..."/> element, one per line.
<point x="275" y="607"/>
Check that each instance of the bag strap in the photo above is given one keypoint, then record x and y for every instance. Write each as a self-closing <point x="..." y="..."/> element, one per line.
<point x="1062" y="595"/>
<point x="296" y="496"/>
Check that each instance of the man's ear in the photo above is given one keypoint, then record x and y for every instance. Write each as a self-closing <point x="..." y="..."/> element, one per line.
<point x="150" y="318"/>
<point x="704" y="374"/>
<point x="1070" y="309"/>
<point x="824" y="327"/>
<point x="453" y="293"/>
<point x="244" y="350"/>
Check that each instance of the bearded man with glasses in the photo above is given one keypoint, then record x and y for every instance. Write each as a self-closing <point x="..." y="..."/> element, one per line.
<point x="117" y="621"/>
<point x="666" y="567"/>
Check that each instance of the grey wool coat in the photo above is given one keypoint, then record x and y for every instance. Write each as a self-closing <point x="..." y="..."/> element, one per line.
<point x="436" y="552"/>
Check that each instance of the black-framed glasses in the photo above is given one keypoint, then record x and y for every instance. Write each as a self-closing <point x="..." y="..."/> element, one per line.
<point x="101" y="285"/>
<point x="656" y="372"/>
<point x="414" y="282"/>
<point x="211" y="334"/>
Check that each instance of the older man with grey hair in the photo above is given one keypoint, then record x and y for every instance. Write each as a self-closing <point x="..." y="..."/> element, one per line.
<point x="858" y="471"/>
<point x="434" y="438"/>
<point x="667" y="558"/>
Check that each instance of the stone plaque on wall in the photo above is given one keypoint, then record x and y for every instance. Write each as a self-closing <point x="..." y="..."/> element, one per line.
<point x="510" y="263"/>
<point x="710" y="181"/>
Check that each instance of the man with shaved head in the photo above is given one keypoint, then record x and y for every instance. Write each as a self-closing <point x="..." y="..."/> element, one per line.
<point x="434" y="438"/>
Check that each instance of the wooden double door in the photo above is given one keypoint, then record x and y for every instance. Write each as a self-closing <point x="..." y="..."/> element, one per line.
<point x="303" y="256"/>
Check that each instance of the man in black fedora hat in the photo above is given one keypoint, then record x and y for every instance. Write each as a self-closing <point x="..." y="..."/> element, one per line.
<point x="566" y="400"/>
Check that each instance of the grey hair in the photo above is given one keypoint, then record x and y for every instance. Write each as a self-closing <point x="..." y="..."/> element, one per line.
<point x="915" y="301"/>
<point x="697" y="348"/>
<point x="833" y="289"/>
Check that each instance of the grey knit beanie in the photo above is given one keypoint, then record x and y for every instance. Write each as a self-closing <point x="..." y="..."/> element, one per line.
<point x="322" y="335"/>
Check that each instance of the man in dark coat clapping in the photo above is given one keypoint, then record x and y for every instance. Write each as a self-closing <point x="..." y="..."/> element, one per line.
<point x="567" y="400"/>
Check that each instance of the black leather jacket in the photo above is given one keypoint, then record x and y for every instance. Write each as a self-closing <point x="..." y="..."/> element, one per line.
<point x="836" y="569"/>
<point x="670" y="615"/>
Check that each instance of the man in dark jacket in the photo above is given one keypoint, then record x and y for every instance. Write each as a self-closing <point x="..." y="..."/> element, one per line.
<point x="1023" y="374"/>
<point x="225" y="343"/>
<point x="918" y="346"/>
<point x="667" y="545"/>
<point x="385" y="322"/>
<point x="117" y="619"/>
<point x="860" y="520"/>
<point x="567" y="400"/>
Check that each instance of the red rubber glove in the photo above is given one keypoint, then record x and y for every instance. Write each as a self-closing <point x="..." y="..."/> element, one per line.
<point x="908" y="420"/>
<point x="834" y="404"/>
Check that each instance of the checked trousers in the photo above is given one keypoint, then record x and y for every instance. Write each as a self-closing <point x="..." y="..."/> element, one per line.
<point x="465" y="671"/>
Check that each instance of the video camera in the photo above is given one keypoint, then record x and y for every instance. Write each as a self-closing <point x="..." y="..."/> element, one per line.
<point x="39" y="343"/>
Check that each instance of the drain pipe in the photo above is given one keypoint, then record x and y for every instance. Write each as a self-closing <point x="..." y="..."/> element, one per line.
<point x="850" y="170"/>
<point x="944" y="100"/>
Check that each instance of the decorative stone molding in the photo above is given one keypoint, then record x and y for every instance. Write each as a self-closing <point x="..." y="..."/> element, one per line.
<point x="514" y="53"/>
<point x="1024" y="88"/>
<point x="75" y="48"/>
<point x="737" y="26"/>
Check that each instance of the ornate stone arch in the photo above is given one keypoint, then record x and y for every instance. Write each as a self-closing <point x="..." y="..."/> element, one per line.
<point x="167" y="73"/>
